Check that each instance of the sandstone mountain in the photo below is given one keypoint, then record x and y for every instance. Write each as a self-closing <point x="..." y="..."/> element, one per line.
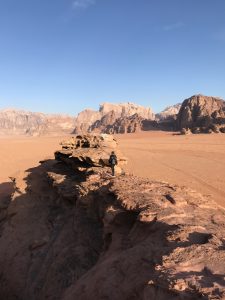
<point x="72" y="231"/>
<point x="19" y="122"/>
<point x="108" y="113"/>
<point x="169" y="112"/>
<point x="201" y="111"/>
<point x="126" y="110"/>
<point x="198" y="113"/>
<point x="85" y="119"/>
<point x="111" y="125"/>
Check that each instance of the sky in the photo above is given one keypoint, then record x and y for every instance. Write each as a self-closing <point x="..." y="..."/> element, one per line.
<point x="61" y="56"/>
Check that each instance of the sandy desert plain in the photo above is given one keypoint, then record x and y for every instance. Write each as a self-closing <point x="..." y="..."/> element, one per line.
<point x="195" y="161"/>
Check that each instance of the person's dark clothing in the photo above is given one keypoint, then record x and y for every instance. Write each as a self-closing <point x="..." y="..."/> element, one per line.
<point x="113" y="162"/>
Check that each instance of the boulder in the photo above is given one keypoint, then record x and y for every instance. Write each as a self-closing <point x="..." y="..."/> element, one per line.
<point x="215" y="128"/>
<point x="222" y="129"/>
<point x="185" y="131"/>
<point x="196" y="130"/>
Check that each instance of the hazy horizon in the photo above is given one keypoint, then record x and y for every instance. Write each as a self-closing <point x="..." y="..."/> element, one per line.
<point x="65" y="56"/>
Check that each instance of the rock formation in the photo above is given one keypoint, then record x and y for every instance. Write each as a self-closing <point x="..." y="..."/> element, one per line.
<point x="85" y="119"/>
<point x="104" y="124"/>
<point x="126" y="110"/>
<point x="18" y="122"/>
<point x="108" y="113"/>
<point x="201" y="111"/>
<point x="169" y="112"/>
<point x="90" y="151"/>
<point x="186" y="131"/>
<point x="71" y="231"/>
<point x="109" y="124"/>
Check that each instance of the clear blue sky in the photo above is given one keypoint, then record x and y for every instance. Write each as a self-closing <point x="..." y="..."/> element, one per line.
<point x="66" y="55"/>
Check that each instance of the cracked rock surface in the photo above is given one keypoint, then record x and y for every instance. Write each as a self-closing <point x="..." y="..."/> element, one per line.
<point x="68" y="234"/>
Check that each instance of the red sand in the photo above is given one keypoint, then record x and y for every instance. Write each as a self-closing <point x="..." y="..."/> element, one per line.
<point x="196" y="161"/>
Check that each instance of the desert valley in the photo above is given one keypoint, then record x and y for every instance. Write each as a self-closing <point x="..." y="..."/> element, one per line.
<point x="70" y="230"/>
<point x="195" y="161"/>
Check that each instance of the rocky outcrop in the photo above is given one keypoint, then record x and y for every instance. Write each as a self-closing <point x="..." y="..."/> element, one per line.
<point x="111" y="125"/>
<point x="169" y="112"/>
<point x="18" y="122"/>
<point x="85" y="119"/>
<point x="201" y="111"/>
<point x="126" y="110"/>
<point x="104" y="124"/>
<point x="79" y="234"/>
<point x="126" y="125"/>
<point x="185" y="131"/>
<point x="90" y="151"/>
<point x="107" y="116"/>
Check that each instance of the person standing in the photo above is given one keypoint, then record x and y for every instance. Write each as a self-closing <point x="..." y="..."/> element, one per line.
<point x="113" y="162"/>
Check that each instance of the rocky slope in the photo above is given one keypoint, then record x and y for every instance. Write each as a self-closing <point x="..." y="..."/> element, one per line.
<point x="18" y="122"/>
<point x="111" y="125"/>
<point x="169" y="112"/>
<point x="201" y="112"/>
<point x="73" y="232"/>
<point x="89" y="120"/>
<point x="126" y="110"/>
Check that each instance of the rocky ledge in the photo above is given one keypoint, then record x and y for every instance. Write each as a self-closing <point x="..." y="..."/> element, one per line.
<point x="72" y="232"/>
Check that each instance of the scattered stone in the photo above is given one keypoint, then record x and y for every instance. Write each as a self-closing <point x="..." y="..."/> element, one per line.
<point x="196" y="130"/>
<point x="185" y="131"/>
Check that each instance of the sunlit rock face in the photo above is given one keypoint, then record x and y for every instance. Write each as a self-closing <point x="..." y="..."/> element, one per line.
<point x="169" y="112"/>
<point x="70" y="231"/>
<point x="18" y="122"/>
<point x="201" y="111"/>
<point x="108" y="114"/>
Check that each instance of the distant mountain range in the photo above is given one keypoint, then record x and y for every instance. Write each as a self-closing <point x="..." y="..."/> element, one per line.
<point x="19" y="122"/>
<point x="197" y="110"/>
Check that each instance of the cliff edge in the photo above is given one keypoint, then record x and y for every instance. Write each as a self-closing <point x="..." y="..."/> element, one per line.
<point x="72" y="231"/>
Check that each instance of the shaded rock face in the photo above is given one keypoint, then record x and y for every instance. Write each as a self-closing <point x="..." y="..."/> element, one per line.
<point x="103" y="125"/>
<point x="69" y="234"/>
<point x="16" y="122"/>
<point x="127" y="125"/>
<point x="107" y="116"/>
<point x="169" y="112"/>
<point x="201" y="111"/>
<point x="111" y="125"/>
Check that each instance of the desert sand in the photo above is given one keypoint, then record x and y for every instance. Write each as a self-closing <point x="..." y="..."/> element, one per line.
<point x="195" y="161"/>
